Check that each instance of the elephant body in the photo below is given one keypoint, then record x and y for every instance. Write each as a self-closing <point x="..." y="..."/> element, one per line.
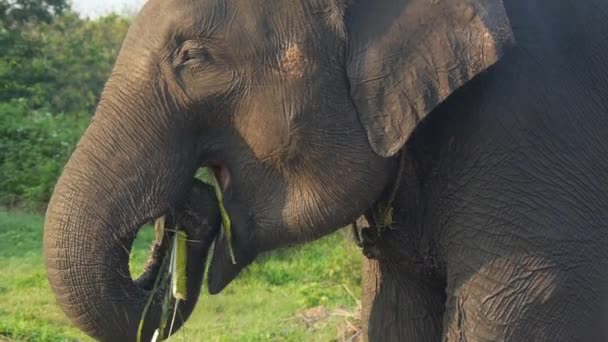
<point x="487" y="119"/>
<point x="503" y="224"/>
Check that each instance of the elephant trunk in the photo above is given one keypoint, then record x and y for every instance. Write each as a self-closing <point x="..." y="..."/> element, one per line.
<point x="116" y="181"/>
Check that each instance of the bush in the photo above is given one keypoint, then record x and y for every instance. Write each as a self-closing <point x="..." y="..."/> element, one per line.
<point x="53" y="65"/>
<point x="34" y="147"/>
<point x="63" y="65"/>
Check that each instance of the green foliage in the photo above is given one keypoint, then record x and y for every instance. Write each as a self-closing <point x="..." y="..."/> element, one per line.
<point x="53" y="66"/>
<point x="34" y="146"/>
<point x="15" y="13"/>
<point x="255" y="307"/>
<point x="61" y="66"/>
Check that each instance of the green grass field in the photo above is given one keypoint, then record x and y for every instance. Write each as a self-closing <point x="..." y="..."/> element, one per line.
<point x="302" y="293"/>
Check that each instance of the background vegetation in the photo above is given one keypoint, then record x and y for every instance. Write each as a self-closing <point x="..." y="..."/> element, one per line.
<point x="53" y="65"/>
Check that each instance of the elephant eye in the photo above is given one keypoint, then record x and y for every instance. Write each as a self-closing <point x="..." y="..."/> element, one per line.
<point x="201" y="55"/>
<point x="193" y="52"/>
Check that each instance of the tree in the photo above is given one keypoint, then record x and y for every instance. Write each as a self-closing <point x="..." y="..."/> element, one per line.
<point x="53" y="65"/>
<point x="58" y="62"/>
<point x="15" y="13"/>
<point x="17" y="17"/>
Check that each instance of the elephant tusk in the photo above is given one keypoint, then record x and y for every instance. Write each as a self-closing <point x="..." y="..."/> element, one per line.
<point x="159" y="229"/>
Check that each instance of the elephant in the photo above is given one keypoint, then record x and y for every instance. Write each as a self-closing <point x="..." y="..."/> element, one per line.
<point x="471" y="134"/>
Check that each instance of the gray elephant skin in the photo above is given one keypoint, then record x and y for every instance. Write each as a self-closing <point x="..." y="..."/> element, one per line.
<point x="487" y="119"/>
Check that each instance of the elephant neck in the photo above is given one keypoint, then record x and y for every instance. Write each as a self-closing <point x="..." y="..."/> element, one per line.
<point x="380" y="217"/>
<point x="394" y="187"/>
<point x="407" y="245"/>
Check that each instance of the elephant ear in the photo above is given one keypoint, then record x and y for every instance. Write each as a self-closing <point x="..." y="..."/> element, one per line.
<point x="407" y="56"/>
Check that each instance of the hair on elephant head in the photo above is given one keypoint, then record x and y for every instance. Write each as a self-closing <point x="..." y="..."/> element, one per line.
<point x="299" y="107"/>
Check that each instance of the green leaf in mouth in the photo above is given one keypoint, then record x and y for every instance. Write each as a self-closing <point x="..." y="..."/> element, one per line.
<point x="207" y="176"/>
<point x="175" y="272"/>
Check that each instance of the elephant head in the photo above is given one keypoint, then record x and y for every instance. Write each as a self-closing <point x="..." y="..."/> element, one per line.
<point x="299" y="107"/>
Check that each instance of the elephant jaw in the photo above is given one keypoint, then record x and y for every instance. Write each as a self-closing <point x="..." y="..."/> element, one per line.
<point x="222" y="270"/>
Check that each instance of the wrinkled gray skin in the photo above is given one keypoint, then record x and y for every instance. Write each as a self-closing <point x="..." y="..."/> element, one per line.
<point x="500" y="220"/>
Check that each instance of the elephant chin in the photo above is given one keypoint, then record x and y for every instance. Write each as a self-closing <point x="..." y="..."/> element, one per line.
<point x="222" y="270"/>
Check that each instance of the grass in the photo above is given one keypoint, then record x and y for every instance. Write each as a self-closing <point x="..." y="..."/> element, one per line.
<point x="294" y="294"/>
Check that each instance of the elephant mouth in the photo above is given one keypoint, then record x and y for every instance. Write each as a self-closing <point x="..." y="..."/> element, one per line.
<point x="189" y="217"/>
<point x="222" y="173"/>
<point x="198" y="218"/>
<point x="230" y="253"/>
<point x="157" y="256"/>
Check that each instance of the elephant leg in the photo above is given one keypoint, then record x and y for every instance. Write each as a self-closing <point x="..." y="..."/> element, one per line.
<point x="521" y="297"/>
<point x="398" y="307"/>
